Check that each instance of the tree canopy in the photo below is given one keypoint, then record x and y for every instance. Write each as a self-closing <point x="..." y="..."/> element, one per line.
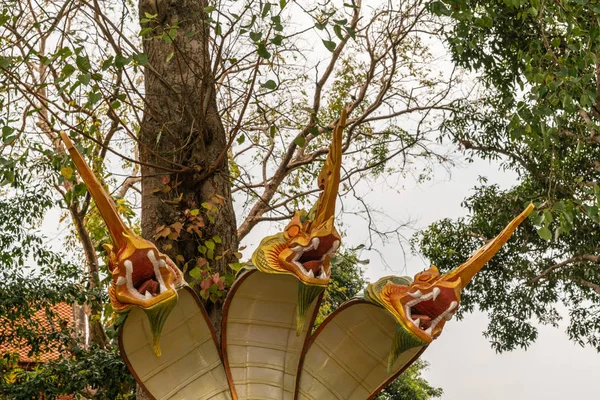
<point x="538" y="115"/>
<point x="183" y="108"/>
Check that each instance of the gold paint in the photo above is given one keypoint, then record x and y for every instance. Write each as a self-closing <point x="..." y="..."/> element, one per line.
<point x="127" y="246"/>
<point x="330" y="175"/>
<point x="274" y="254"/>
<point x="392" y="293"/>
<point x="465" y="273"/>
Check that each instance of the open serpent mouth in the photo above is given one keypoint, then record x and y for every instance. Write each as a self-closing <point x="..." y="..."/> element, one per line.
<point x="145" y="281"/>
<point x="310" y="259"/>
<point x="425" y="313"/>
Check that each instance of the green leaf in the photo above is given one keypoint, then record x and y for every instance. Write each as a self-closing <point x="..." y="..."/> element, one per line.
<point x="7" y="131"/>
<point x="313" y="130"/>
<point x="255" y="36"/>
<point x="84" y="78"/>
<point x="263" y="52"/>
<point x="121" y="61"/>
<point x="209" y="9"/>
<point x="591" y="211"/>
<point x="266" y="9"/>
<point x="351" y="32"/>
<point x="9" y="139"/>
<point x="338" y="31"/>
<point x="300" y="141"/>
<point x="196" y="273"/>
<point x="544" y="233"/>
<point x="536" y="217"/>
<point x="558" y="206"/>
<point x="83" y="63"/>
<point x="67" y="71"/>
<point x="107" y="63"/>
<point x="94" y="97"/>
<point x="141" y="58"/>
<point x="270" y="84"/>
<point x="4" y="18"/>
<point x="145" y="31"/>
<point x="329" y="44"/>
<point x="5" y="62"/>
<point x="277" y="40"/>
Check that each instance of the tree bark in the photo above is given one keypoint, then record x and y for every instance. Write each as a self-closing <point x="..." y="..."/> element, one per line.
<point x="94" y="308"/>
<point x="182" y="131"/>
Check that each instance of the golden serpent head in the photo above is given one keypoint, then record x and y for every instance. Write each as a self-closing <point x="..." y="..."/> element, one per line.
<point x="423" y="306"/>
<point x="304" y="249"/>
<point x="141" y="275"/>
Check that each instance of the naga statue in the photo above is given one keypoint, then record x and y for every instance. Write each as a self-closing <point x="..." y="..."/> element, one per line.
<point x="268" y="347"/>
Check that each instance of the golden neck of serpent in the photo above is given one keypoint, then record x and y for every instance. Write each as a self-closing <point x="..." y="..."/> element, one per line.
<point x="141" y="275"/>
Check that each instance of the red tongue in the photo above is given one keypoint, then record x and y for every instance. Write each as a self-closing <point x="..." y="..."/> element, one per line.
<point x="150" y="286"/>
<point x="425" y="320"/>
<point x="314" y="265"/>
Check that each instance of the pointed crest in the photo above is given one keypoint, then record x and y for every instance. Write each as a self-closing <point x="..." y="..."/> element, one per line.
<point x="104" y="202"/>
<point x="329" y="177"/>
<point x="467" y="270"/>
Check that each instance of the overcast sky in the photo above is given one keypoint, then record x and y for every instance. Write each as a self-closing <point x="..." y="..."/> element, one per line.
<point x="462" y="361"/>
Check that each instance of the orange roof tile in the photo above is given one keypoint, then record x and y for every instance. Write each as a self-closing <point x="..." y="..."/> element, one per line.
<point x="63" y="311"/>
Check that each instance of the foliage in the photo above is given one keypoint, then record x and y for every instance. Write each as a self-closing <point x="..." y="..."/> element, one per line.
<point x="33" y="278"/>
<point x="347" y="281"/>
<point x="91" y="372"/>
<point x="411" y="385"/>
<point x="540" y="117"/>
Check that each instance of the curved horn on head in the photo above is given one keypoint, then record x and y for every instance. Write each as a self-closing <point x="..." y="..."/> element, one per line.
<point x="467" y="271"/>
<point x="103" y="201"/>
<point x="329" y="177"/>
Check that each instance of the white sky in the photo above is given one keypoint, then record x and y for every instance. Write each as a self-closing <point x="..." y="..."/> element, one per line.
<point x="462" y="360"/>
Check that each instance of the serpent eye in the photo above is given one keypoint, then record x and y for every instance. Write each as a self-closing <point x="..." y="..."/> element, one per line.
<point x="428" y="275"/>
<point x="293" y="231"/>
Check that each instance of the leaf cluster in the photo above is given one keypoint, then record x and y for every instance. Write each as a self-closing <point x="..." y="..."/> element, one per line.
<point x="539" y="117"/>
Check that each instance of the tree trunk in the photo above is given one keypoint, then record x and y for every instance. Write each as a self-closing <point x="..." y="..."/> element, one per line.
<point x="183" y="143"/>
<point x="93" y="308"/>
